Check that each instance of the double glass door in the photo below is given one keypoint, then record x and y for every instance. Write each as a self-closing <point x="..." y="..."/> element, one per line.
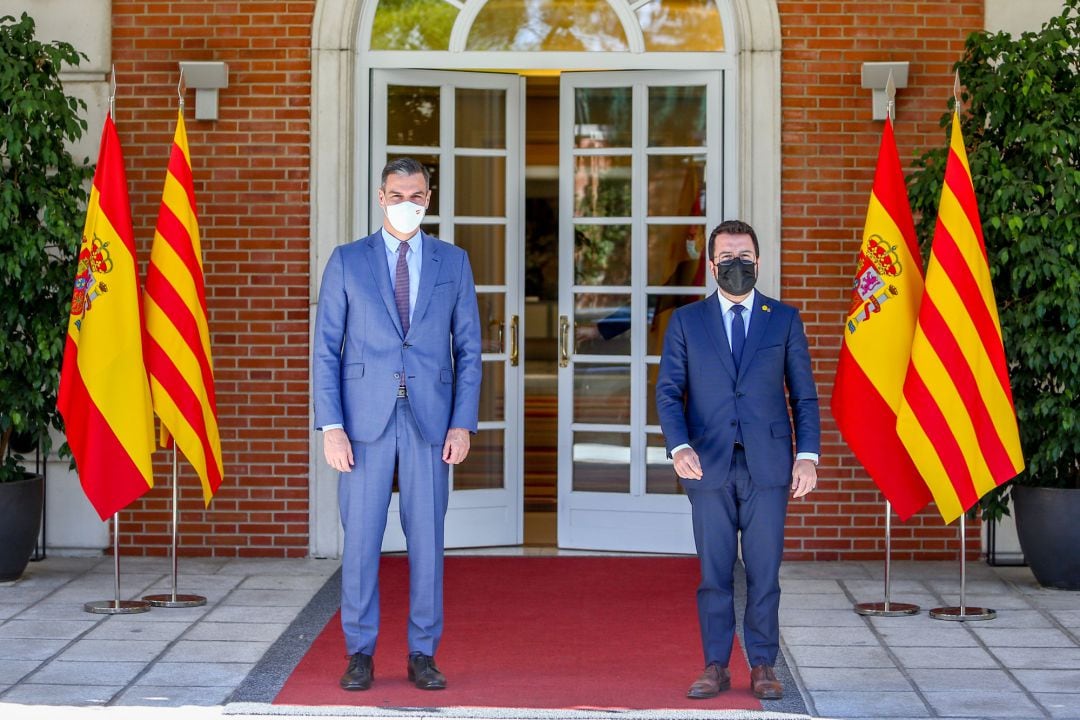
<point x="634" y="152"/>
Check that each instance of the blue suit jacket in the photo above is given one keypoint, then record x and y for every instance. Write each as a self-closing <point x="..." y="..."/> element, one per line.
<point x="359" y="348"/>
<point x="701" y="395"/>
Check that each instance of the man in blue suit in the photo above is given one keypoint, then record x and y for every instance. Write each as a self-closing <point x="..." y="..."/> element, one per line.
<point x="721" y="398"/>
<point x="397" y="369"/>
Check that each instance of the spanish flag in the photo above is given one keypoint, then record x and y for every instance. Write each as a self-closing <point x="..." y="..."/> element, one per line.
<point x="957" y="417"/>
<point x="104" y="395"/>
<point x="177" y="332"/>
<point x="878" y="329"/>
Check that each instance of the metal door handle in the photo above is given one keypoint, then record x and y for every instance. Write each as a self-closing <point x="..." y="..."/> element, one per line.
<point x="564" y="341"/>
<point x="513" y="340"/>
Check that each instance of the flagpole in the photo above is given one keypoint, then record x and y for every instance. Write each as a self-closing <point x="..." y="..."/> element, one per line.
<point x="887" y="608"/>
<point x="116" y="606"/>
<point x="174" y="600"/>
<point x="962" y="612"/>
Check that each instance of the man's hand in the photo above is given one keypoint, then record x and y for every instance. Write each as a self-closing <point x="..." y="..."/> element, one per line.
<point x="338" y="449"/>
<point x="687" y="464"/>
<point x="803" y="478"/>
<point x="456" y="447"/>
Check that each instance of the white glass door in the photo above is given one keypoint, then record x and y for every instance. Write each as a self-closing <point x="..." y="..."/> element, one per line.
<point x="466" y="128"/>
<point x="640" y="181"/>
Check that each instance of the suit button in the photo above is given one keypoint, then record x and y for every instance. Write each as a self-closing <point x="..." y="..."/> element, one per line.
<point x="740" y="394"/>
<point x="397" y="375"/>
<point x="733" y="423"/>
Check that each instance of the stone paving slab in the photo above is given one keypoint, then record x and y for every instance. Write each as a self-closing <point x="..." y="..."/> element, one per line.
<point x="114" y="650"/>
<point x="38" y="650"/>
<point x="820" y="618"/>
<point x="1050" y="681"/>
<point x="839" y="657"/>
<point x="1038" y="658"/>
<point x="271" y="598"/>
<point x="32" y="694"/>
<point x="183" y="674"/>
<point x="200" y="651"/>
<point x="244" y="615"/>
<point x="82" y="672"/>
<point x="944" y="658"/>
<point x="826" y="636"/>
<point x="117" y="628"/>
<point x="942" y="634"/>
<point x="172" y="696"/>
<point x="35" y="629"/>
<point x="880" y="679"/>
<point x="207" y="630"/>
<point x="868" y="704"/>
<point x="1060" y="705"/>
<point x="953" y="679"/>
<point x="11" y="671"/>
<point x="1028" y="637"/>
<point x="983" y="704"/>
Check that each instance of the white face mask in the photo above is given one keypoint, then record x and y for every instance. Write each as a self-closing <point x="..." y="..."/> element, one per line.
<point x="405" y="217"/>
<point x="692" y="249"/>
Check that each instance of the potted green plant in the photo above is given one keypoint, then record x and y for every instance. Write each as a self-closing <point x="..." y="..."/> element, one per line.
<point x="42" y="197"/>
<point x="1020" y="110"/>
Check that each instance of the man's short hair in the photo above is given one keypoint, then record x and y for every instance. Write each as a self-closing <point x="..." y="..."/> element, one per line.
<point x="405" y="166"/>
<point x="733" y="227"/>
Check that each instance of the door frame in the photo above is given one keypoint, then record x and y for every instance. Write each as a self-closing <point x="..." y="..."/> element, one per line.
<point x="339" y="193"/>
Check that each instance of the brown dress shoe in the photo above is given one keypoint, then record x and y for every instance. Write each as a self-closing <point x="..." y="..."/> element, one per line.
<point x="359" y="674"/>
<point x="714" y="680"/>
<point x="764" y="685"/>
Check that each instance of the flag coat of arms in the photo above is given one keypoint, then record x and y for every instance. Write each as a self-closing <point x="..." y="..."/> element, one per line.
<point x="957" y="417"/>
<point x="104" y="395"/>
<point x="878" y="328"/>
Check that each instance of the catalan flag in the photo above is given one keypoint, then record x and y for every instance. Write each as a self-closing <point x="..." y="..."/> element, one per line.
<point x="957" y="417"/>
<point x="177" y="333"/>
<point x="878" y="329"/>
<point x="104" y="395"/>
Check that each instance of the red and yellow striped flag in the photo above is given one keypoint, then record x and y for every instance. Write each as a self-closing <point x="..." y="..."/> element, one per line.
<point x="104" y="396"/>
<point x="957" y="417"/>
<point x="177" y="333"/>
<point x="877" y="337"/>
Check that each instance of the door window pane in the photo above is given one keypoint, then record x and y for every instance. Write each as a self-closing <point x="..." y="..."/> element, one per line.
<point x="480" y="118"/>
<point x="602" y="254"/>
<point x="546" y="25"/>
<point x="602" y="324"/>
<point x="676" y="183"/>
<point x="677" y="115"/>
<point x="602" y="393"/>
<point x="677" y="255"/>
<point x="602" y="117"/>
<point x="602" y="186"/>
<point x="412" y="115"/>
<point x="660" y="476"/>
<point x="431" y="162"/>
<point x="493" y="392"/>
<point x="480" y="186"/>
<point x="681" y="25"/>
<point x="652" y="372"/>
<point x="486" y="245"/>
<point x="413" y="25"/>
<point x="601" y="462"/>
<point x="483" y="469"/>
<point x="658" y="315"/>
<point x="492" y="321"/>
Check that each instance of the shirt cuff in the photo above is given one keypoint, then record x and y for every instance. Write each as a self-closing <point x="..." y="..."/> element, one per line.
<point x="812" y="457"/>
<point x="677" y="448"/>
<point x="332" y="426"/>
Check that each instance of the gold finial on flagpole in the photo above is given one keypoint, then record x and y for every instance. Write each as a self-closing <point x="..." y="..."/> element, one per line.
<point x="890" y="93"/>
<point x="112" y="91"/>
<point x="180" y="89"/>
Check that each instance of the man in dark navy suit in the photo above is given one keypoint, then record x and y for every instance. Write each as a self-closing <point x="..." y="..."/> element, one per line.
<point x="723" y="408"/>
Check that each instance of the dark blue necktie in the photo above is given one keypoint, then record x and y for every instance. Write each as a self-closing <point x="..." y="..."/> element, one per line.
<point x="738" y="334"/>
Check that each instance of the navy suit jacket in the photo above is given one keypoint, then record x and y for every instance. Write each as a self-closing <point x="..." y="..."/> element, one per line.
<point x="359" y="349"/>
<point x="702" y="397"/>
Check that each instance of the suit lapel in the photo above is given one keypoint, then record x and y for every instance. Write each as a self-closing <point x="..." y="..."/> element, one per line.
<point x="380" y="271"/>
<point x="759" y="323"/>
<point x="429" y="273"/>
<point x="714" y="325"/>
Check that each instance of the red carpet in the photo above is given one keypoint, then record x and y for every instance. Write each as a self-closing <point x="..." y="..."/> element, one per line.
<point x="566" y="632"/>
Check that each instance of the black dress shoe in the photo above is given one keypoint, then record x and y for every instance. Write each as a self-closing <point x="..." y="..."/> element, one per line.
<point x="359" y="674"/>
<point x="423" y="672"/>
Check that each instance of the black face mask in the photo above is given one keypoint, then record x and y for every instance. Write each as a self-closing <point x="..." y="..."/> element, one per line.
<point x="736" y="277"/>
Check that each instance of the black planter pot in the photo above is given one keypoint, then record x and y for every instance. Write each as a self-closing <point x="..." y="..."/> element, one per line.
<point x="1046" y="523"/>
<point x="20" y="521"/>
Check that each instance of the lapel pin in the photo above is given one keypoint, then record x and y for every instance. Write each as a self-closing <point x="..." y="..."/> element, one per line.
<point x="766" y="308"/>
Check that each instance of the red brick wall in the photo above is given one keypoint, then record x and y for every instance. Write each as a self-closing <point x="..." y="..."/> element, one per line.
<point x="829" y="150"/>
<point x="251" y="184"/>
<point x="251" y="188"/>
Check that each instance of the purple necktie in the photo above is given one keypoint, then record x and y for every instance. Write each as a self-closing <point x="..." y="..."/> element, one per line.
<point x="401" y="286"/>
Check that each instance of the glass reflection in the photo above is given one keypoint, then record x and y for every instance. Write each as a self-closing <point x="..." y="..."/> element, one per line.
<point x="480" y="186"/>
<point x="602" y="393"/>
<point x="412" y="25"/>
<point x="493" y="392"/>
<point x="677" y="185"/>
<point x="602" y="186"/>
<point x="431" y="162"/>
<point x="658" y="315"/>
<point x="681" y="25"/>
<point x="660" y="476"/>
<point x="492" y="321"/>
<point x="602" y="117"/>
<point x="483" y="469"/>
<point x="412" y="115"/>
<point x="602" y="254"/>
<point x="677" y="116"/>
<point x="601" y="462"/>
<point x="547" y="25"/>
<point x="602" y="324"/>
<point x="486" y="246"/>
<point x="480" y="118"/>
<point x="676" y="255"/>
